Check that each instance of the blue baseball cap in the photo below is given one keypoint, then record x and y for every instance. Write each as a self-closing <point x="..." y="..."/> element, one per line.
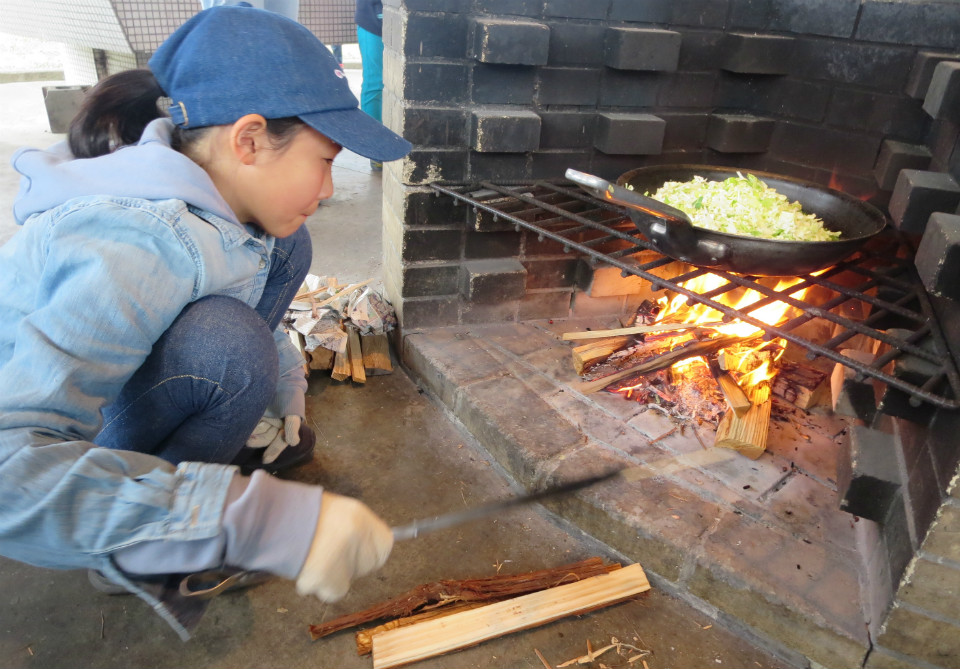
<point x="228" y="61"/>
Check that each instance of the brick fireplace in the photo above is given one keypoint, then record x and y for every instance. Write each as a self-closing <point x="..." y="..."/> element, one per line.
<point x="861" y="95"/>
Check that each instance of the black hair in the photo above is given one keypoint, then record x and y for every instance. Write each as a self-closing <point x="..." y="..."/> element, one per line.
<point x="116" y="110"/>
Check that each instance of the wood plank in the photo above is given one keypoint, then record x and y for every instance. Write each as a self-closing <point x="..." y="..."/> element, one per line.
<point x="637" y="329"/>
<point x="435" y="637"/>
<point x="364" y="638"/>
<point x="355" y="355"/>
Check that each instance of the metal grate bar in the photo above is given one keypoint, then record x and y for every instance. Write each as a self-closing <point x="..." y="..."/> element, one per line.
<point x="882" y="269"/>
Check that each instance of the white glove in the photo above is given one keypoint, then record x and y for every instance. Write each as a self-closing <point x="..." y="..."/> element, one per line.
<point x="350" y="541"/>
<point x="275" y="435"/>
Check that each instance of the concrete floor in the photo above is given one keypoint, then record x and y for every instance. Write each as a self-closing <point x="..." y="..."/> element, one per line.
<point x="388" y="443"/>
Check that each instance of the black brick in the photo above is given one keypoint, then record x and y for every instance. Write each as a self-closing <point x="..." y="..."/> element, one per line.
<point x="944" y="145"/>
<point x="943" y="95"/>
<point x="922" y="71"/>
<point x="895" y="156"/>
<point x="868" y="473"/>
<point x="433" y="209"/>
<point x="648" y="49"/>
<point x="550" y="273"/>
<point x="421" y="244"/>
<point x="834" y="18"/>
<point x="896" y="117"/>
<point x="621" y="88"/>
<point x="508" y="7"/>
<point x="493" y="280"/>
<point x="701" y="51"/>
<point x="503" y="84"/>
<point x="553" y="165"/>
<point x="917" y="194"/>
<point x="545" y="304"/>
<point x="684" y="131"/>
<point x="772" y="96"/>
<point x="435" y="127"/>
<point x="931" y="24"/>
<point x="699" y="13"/>
<point x="576" y="44"/>
<point x="435" y="36"/>
<point x="821" y="147"/>
<point x="499" y="312"/>
<point x="457" y="6"/>
<point x="883" y="68"/>
<point x="568" y="86"/>
<point x="428" y="313"/>
<point x="687" y="89"/>
<point x="739" y="134"/>
<point x="500" y="166"/>
<point x="631" y="134"/>
<point x="576" y="9"/>
<point x="567" y="130"/>
<point x="492" y="244"/>
<point x="938" y="256"/>
<point x="435" y="82"/>
<point x="758" y="54"/>
<point x="505" y="131"/>
<point x="510" y="42"/>
<point x="425" y="281"/>
<point x="436" y="165"/>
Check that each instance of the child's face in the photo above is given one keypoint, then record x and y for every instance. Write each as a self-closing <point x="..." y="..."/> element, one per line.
<point x="291" y="183"/>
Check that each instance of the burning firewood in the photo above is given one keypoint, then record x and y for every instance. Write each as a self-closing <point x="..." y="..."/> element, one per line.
<point x="747" y="433"/>
<point x="651" y="364"/>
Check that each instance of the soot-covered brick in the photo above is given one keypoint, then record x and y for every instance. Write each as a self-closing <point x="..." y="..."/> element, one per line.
<point x="897" y="156"/>
<point x="745" y="133"/>
<point x="938" y="256"/>
<point x="757" y="54"/>
<point x="493" y="281"/>
<point x="642" y="49"/>
<point x="634" y="134"/>
<point x="505" y="131"/>
<point x="511" y="42"/>
<point x="868" y="475"/>
<point x="917" y="194"/>
<point x="923" y="66"/>
<point x="943" y="95"/>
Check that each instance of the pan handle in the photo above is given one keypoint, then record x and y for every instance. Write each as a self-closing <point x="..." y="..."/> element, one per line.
<point x="670" y="225"/>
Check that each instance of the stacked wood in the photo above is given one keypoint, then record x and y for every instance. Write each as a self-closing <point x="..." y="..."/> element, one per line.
<point x="356" y="355"/>
<point x="747" y="433"/>
<point x="435" y="637"/>
<point x="802" y="385"/>
<point x="449" y="592"/>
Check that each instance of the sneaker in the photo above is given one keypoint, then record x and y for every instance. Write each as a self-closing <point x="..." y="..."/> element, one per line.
<point x="101" y="583"/>
<point x="251" y="459"/>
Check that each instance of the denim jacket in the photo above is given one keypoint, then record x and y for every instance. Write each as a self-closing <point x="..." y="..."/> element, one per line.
<point x="86" y="287"/>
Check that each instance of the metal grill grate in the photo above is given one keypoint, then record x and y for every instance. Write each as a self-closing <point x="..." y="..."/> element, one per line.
<point x="879" y="282"/>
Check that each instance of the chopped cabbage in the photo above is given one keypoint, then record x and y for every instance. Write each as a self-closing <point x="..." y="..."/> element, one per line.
<point x="743" y="205"/>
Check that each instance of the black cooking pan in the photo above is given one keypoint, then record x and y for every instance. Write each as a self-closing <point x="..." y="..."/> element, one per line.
<point x="671" y="232"/>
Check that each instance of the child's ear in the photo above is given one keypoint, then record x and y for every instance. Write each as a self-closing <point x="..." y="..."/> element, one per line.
<point x="248" y="137"/>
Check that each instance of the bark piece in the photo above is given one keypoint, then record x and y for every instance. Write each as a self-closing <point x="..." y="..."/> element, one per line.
<point x="450" y="591"/>
<point x="355" y="356"/>
<point x="439" y="636"/>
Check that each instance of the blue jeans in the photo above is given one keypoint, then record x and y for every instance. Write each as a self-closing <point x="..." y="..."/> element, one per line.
<point x="371" y="61"/>
<point x="211" y="375"/>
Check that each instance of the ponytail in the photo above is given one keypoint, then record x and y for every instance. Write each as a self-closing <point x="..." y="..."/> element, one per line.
<point x="114" y="113"/>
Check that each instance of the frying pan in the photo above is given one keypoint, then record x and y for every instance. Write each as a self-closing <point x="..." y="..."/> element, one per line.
<point x="671" y="233"/>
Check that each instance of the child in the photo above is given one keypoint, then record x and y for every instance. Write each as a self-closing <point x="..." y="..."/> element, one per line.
<point x="139" y="313"/>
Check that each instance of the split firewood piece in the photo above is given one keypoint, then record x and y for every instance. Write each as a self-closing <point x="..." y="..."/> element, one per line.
<point x="341" y="362"/>
<point x="802" y="385"/>
<point x="682" y="352"/>
<point x="737" y="400"/>
<point x="747" y="434"/>
<point x="355" y="355"/>
<point x="636" y="329"/>
<point x="442" y="635"/>
<point x="365" y="637"/>
<point x="321" y="358"/>
<point x="477" y="589"/>
<point x="376" y="354"/>
<point x="589" y="355"/>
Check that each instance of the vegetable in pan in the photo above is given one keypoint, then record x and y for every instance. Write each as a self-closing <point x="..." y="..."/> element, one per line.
<point x="743" y="205"/>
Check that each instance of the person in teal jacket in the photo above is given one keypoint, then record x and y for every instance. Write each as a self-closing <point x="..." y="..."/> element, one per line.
<point x="140" y="306"/>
